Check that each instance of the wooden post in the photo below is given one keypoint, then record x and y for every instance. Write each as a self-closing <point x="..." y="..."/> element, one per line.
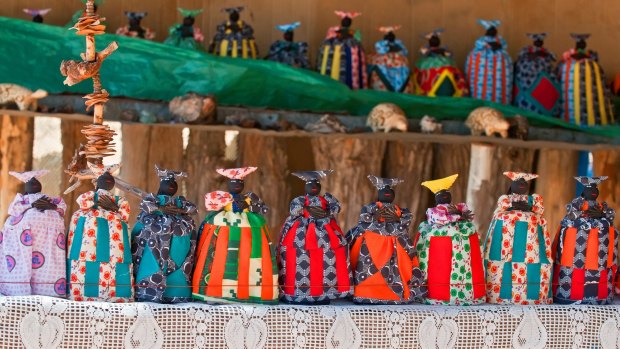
<point x="452" y="159"/>
<point x="607" y="163"/>
<point x="16" y="140"/>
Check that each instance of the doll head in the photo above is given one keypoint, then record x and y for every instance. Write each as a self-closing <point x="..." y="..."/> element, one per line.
<point x="590" y="186"/>
<point x="490" y="26"/>
<point x="590" y="192"/>
<point x="441" y="188"/>
<point x="106" y="182"/>
<point x="313" y="187"/>
<point x="288" y="30"/>
<point x="443" y="197"/>
<point x="235" y="186"/>
<point x="520" y="182"/>
<point x="236" y="177"/>
<point x="491" y="32"/>
<point x="386" y="195"/>
<point x="234" y="13"/>
<point x="580" y="40"/>
<point x="189" y="21"/>
<point x="389" y="32"/>
<point x="313" y="180"/>
<point x="30" y="180"/>
<point x="33" y="186"/>
<point x="37" y="19"/>
<point x="390" y="37"/>
<point x="168" y="180"/>
<point x="346" y="18"/>
<point x="385" y="188"/>
<point x="289" y="36"/>
<point x="434" y="41"/>
<point x="189" y="16"/>
<point x="37" y="14"/>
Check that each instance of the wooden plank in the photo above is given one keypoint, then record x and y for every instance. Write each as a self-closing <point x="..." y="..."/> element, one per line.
<point x="452" y="159"/>
<point x="607" y="163"/>
<point x="71" y="138"/>
<point x="352" y="160"/>
<point x="16" y="140"/>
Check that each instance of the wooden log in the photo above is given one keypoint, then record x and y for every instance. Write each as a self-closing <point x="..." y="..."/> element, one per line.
<point x="452" y="159"/>
<point x="411" y="162"/>
<point x="486" y="180"/>
<point x="556" y="169"/>
<point x="353" y="160"/>
<point x="607" y="163"/>
<point x="71" y="138"/>
<point x="269" y="154"/>
<point x="16" y="141"/>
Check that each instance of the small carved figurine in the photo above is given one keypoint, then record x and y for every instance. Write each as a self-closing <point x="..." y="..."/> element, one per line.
<point x="429" y="124"/>
<point x="387" y="117"/>
<point x="487" y="121"/>
<point x="21" y="96"/>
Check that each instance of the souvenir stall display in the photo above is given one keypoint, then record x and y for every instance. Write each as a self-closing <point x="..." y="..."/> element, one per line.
<point x="234" y="37"/>
<point x="489" y="67"/>
<point x="37" y="14"/>
<point x="389" y="66"/>
<point x="313" y="255"/>
<point x="435" y="72"/>
<point x="32" y="242"/>
<point x="517" y="250"/>
<point x="586" y="99"/>
<point x="186" y="34"/>
<point x="164" y="242"/>
<point x="134" y="28"/>
<point x="341" y="55"/>
<point x="383" y="258"/>
<point x="99" y="263"/>
<point x="586" y="249"/>
<point x="536" y="85"/>
<point x="449" y="250"/>
<point x="235" y="260"/>
<point x="287" y="51"/>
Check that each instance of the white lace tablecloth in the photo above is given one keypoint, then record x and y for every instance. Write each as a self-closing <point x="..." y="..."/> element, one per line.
<point x="41" y="322"/>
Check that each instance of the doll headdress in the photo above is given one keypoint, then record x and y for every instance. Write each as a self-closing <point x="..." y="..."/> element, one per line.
<point x="537" y="36"/>
<point x="28" y="175"/>
<point x="37" y="12"/>
<point x="236" y="173"/>
<point x="438" y="185"/>
<point x="590" y="181"/>
<point x="487" y="24"/>
<point x="381" y="183"/>
<point x="343" y="14"/>
<point x="288" y="27"/>
<point x="310" y="176"/>
<point x="514" y="176"/>
<point x="100" y="169"/>
<point x="135" y="15"/>
<point x="389" y="29"/>
<point x="189" y="13"/>
<point x="437" y="32"/>
<point x="163" y="173"/>
<point x="580" y="36"/>
<point x="97" y="2"/>
<point x="234" y="9"/>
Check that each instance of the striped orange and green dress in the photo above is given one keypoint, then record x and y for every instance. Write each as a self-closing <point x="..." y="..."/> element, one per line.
<point x="235" y="257"/>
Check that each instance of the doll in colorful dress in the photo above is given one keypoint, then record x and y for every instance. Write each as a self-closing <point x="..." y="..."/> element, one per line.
<point x="435" y="72"/>
<point x="313" y="255"/>
<point x="389" y="67"/>
<point x="517" y="251"/>
<point x="99" y="260"/>
<point x="449" y="250"/>
<point x="341" y="56"/>
<point x="586" y="99"/>
<point x="234" y="37"/>
<point x="163" y="243"/>
<point x="134" y="28"/>
<point x="235" y="259"/>
<point x="586" y="249"/>
<point x="383" y="258"/>
<point x="489" y="66"/>
<point x="536" y="86"/>
<point x="287" y="51"/>
<point x="186" y="34"/>
<point x="37" y="14"/>
<point x="32" y="242"/>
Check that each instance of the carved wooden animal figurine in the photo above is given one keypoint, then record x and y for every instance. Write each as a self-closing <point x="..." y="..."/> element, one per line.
<point x="21" y="96"/>
<point x="519" y="127"/>
<point x="429" y="124"/>
<point x="194" y="108"/>
<point x="327" y="124"/>
<point x="387" y="117"/>
<point x="488" y="121"/>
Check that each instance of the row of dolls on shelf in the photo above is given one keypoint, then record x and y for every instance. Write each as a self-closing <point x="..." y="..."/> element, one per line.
<point x="230" y="257"/>
<point x="574" y="89"/>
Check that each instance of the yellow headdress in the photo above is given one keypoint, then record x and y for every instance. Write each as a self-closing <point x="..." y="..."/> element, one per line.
<point x="438" y="185"/>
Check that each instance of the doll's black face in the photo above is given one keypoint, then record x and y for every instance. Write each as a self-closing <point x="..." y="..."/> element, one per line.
<point x="134" y="21"/>
<point x="168" y="187"/>
<point x="289" y="36"/>
<point x="492" y="32"/>
<point x="443" y="197"/>
<point x="33" y="186"/>
<point x="590" y="193"/>
<point x="390" y="37"/>
<point x="234" y="16"/>
<point x="434" y="41"/>
<point x="520" y="186"/>
<point x="346" y="22"/>
<point x="235" y="186"/>
<point x="539" y="43"/>
<point x="313" y="188"/>
<point x="189" y="21"/>
<point x="37" y="19"/>
<point x="581" y="45"/>
<point x="386" y="195"/>
<point x="106" y="182"/>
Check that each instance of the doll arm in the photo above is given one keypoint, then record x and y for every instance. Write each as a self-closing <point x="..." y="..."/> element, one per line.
<point x="61" y="205"/>
<point x="187" y="206"/>
<point x="382" y="47"/>
<point x="256" y="204"/>
<point x="608" y="212"/>
<point x="198" y="36"/>
<point x="19" y="205"/>
<point x="537" y="204"/>
<point x="368" y="213"/>
<point x="406" y="217"/>
<point x="400" y="44"/>
<point x="333" y="205"/>
<point x="150" y="204"/>
<point x="217" y="200"/>
<point x="296" y="208"/>
<point x="87" y="200"/>
<point x="123" y="209"/>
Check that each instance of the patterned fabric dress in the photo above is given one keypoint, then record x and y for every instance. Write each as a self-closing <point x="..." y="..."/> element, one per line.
<point x="313" y="254"/>
<point x="32" y="249"/>
<point x="517" y="253"/>
<point x="436" y="74"/>
<point x="536" y="86"/>
<point x="343" y="59"/>
<point x="586" y="100"/>
<point x="451" y="258"/>
<point x="235" y="260"/>
<point x="290" y="53"/>
<point x="227" y="43"/>
<point x="383" y="259"/>
<point x="389" y="71"/>
<point x="99" y="261"/>
<point x="586" y="255"/>
<point x="192" y="41"/>
<point x="163" y="247"/>
<point x="489" y="72"/>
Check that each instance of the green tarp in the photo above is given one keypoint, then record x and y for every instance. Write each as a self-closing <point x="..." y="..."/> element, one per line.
<point x="31" y="55"/>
